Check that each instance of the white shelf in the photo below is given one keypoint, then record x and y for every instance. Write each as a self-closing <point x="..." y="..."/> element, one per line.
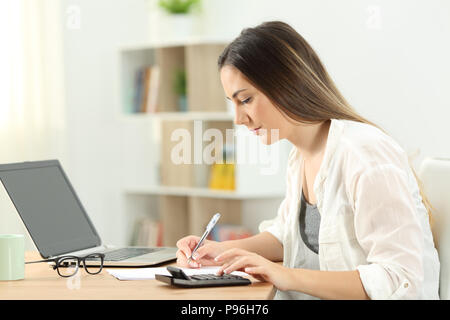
<point x="165" y="43"/>
<point x="200" y="192"/>
<point x="180" y="116"/>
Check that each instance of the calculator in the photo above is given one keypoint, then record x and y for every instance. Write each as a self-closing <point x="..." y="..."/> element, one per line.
<point x="180" y="279"/>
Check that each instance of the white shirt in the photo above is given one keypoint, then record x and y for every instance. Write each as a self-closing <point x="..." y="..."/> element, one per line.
<point x="372" y="216"/>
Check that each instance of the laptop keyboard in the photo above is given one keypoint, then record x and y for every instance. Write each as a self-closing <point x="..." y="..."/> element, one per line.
<point x="126" y="253"/>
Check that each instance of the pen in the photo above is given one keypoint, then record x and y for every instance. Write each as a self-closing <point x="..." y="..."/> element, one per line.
<point x="209" y="227"/>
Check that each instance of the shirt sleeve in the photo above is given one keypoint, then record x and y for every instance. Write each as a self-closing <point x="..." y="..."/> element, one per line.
<point x="388" y="230"/>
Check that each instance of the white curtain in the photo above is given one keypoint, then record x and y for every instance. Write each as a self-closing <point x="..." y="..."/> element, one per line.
<point x="31" y="90"/>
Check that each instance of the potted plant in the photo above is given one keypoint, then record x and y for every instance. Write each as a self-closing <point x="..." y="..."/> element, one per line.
<point x="175" y="19"/>
<point x="178" y="6"/>
<point x="180" y="88"/>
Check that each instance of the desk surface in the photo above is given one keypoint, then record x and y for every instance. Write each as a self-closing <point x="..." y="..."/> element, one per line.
<point x="42" y="282"/>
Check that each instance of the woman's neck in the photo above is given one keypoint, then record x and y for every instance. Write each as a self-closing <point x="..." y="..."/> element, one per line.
<point x="310" y="139"/>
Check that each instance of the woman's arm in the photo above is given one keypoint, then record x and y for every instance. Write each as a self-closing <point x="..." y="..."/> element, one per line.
<point x="264" y="244"/>
<point x="321" y="284"/>
<point x="328" y="284"/>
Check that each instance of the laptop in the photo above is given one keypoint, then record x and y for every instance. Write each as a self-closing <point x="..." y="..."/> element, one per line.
<point x="57" y="221"/>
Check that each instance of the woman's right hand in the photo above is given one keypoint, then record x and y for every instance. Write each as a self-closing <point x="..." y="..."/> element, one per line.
<point x="204" y="256"/>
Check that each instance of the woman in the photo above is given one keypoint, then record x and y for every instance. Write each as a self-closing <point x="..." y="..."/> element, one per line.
<point x="353" y="224"/>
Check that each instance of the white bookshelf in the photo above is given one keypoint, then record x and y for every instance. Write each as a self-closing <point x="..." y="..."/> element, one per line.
<point x="179" y="116"/>
<point x="167" y="43"/>
<point x="184" y="209"/>
<point x="201" y="192"/>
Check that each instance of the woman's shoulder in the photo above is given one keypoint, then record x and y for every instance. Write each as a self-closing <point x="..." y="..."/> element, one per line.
<point x="361" y="132"/>
<point x="363" y="144"/>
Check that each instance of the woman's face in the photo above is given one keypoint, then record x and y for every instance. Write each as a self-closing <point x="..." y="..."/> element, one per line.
<point x="253" y="108"/>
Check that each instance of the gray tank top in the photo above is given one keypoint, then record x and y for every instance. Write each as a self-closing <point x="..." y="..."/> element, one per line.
<point x="309" y="224"/>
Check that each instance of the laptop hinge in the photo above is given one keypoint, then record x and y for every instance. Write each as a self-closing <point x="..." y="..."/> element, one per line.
<point x="84" y="252"/>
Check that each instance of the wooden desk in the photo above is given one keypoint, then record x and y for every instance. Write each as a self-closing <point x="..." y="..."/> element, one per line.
<point x="42" y="282"/>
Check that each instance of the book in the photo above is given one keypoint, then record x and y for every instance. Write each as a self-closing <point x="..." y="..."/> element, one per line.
<point x="138" y="91"/>
<point x="222" y="176"/>
<point x="147" y="233"/>
<point x="223" y="232"/>
<point x="153" y="89"/>
<point x="146" y="89"/>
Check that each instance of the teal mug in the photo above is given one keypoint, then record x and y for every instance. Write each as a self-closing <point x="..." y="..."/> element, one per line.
<point x="12" y="257"/>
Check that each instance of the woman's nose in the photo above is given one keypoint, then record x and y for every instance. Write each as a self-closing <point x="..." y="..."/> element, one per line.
<point x="240" y="116"/>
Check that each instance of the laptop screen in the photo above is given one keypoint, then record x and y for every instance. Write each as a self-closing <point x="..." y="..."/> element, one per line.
<point x="49" y="207"/>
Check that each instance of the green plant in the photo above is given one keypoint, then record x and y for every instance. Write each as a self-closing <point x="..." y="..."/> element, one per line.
<point x="177" y="6"/>
<point x="180" y="82"/>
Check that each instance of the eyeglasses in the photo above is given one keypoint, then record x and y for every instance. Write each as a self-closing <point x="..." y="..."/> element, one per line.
<point x="67" y="266"/>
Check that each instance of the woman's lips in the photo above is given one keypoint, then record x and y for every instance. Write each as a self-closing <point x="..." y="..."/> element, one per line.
<point x="256" y="130"/>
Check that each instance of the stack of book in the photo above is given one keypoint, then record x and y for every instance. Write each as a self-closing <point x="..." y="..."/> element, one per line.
<point x="222" y="175"/>
<point x="148" y="233"/>
<point x="146" y="89"/>
<point x="223" y="232"/>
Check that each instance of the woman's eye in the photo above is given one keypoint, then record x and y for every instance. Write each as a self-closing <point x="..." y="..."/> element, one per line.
<point x="246" y="101"/>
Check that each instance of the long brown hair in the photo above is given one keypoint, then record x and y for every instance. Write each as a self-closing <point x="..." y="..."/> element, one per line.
<point x="279" y="62"/>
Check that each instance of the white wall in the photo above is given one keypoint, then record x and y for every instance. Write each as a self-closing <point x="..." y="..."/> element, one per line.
<point x="394" y="72"/>
<point x="97" y="140"/>
<point x="396" y="75"/>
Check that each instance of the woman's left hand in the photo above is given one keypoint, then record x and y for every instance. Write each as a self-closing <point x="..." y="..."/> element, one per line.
<point x="255" y="265"/>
